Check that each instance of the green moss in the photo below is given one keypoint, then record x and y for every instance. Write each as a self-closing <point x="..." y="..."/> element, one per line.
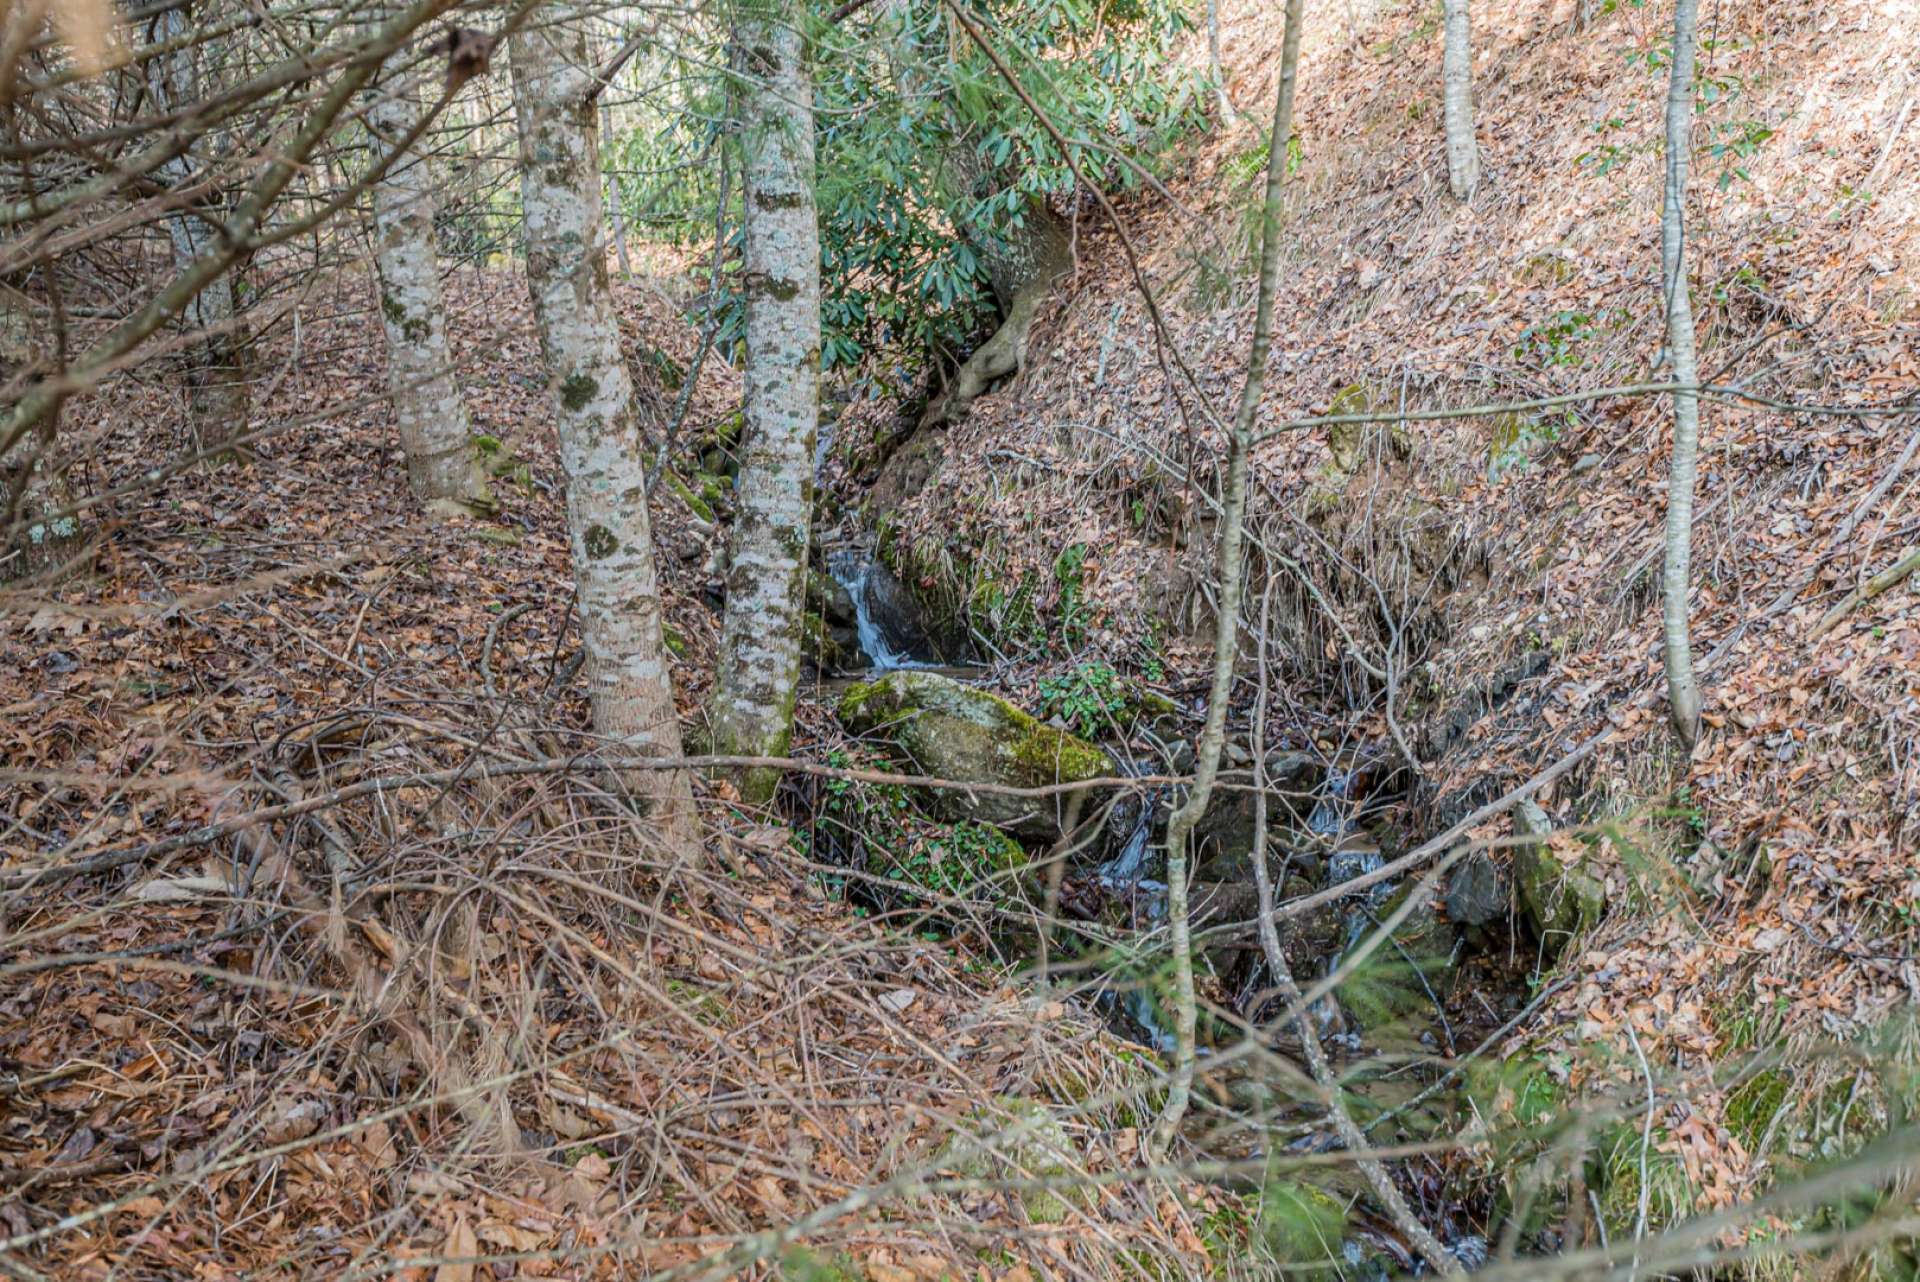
<point x="1299" y="1224"/>
<point x="1041" y="1150"/>
<point x="675" y="643"/>
<point x="695" y="504"/>
<point x="1671" y="1194"/>
<point x="600" y="543"/>
<point x="1045" y="755"/>
<point x="1752" y="1105"/>
<point x="577" y="391"/>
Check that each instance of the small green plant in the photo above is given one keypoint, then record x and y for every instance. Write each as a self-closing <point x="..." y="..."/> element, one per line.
<point x="1735" y="143"/>
<point x="1069" y="571"/>
<point x="954" y="860"/>
<point x="1088" y="697"/>
<point x="1606" y="154"/>
<point x="1554" y="343"/>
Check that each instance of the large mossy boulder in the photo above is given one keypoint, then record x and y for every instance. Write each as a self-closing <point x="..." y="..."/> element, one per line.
<point x="1562" y="903"/>
<point x="949" y="730"/>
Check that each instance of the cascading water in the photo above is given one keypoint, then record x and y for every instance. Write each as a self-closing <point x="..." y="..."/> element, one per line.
<point x="854" y="569"/>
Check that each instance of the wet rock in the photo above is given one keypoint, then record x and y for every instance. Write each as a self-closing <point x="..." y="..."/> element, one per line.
<point x="1226" y="829"/>
<point x="1478" y="892"/>
<point x="950" y="730"/>
<point x="828" y="599"/>
<point x="1562" y="903"/>
<point x="1399" y="983"/>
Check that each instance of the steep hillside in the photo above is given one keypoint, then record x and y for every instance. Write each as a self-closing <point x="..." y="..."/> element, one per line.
<point x="1483" y="589"/>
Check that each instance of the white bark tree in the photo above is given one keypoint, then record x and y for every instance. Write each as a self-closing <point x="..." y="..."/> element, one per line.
<point x="1683" y="694"/>
<point x="1214" y="70"/>
<point x="629" y="682"/>
<point x="1463" y="154"/>
<point x="216" y="377"/>
<point x="615" y="205"/>
<point x="443" y="469"/>
<point x="752" y="708"/>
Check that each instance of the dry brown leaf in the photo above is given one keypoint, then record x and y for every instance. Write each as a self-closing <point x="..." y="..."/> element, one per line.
<point x="460" y="1242"/>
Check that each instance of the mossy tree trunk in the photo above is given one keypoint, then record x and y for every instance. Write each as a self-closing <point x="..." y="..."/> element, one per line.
<point x="443" y="469"/>
<point x="1683" y="693"/>
<point x="752" y="708"/>
<point x="1463" y="153"/>
<point x="216" y="374"/>
<point x="629" y="682"/>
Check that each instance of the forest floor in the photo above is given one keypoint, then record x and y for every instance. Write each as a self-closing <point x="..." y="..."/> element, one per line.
<point x="216" y="1060"/>
<point x="294" y="1050"/>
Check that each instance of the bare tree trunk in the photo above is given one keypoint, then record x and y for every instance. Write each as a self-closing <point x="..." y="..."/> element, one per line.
<point x="1683" y="695"/>
<point x="616" y="205"/>
<point x="436" y="435"/>
<point x="37" y="533"/>
<point x="752" y="711"/>
<point x="629" y="683"/>
<point x="1214" y="70"/>
<point x="1463" y="155"/>
<point x="1226" y="637"/>
<point x="1021" y="267"/>
<point x="216" y="376"/>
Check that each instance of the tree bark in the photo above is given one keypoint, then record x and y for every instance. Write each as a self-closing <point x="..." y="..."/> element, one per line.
<point x="629" y="683"/>
<point x="1683" y="694"/>
<point x="37" y="533"/>
<point x="218" y="400"/>
<point x="1463" y="155"/>
<point x="436" y="435"/>
<point x="1214" y="70"/>
<point x="752" y="709"/>
<point x="616" y="206"/>
<point x="1226" y="639"/>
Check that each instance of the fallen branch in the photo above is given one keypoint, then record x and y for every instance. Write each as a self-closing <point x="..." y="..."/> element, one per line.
<point x="1885" y="581"/>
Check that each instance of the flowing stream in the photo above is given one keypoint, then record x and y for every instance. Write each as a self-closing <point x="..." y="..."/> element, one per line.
<point x="883" y="637"/>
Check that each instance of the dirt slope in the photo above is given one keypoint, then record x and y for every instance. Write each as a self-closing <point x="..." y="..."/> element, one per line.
<point x="1762" y="888"/>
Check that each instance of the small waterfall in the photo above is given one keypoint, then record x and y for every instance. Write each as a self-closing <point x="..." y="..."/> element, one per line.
<point x="1329" y="817"/>
<point x="855" y="570"/>
<point x="1122" y="872"/>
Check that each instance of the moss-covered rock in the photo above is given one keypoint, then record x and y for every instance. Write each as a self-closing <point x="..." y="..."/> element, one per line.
<point x="1041" y="1150"/>
<point x="1396" y="989"/>
<point x="1561" y="902"/>
<point x="950" y="730"/>
<point x="1300" y="1224"/>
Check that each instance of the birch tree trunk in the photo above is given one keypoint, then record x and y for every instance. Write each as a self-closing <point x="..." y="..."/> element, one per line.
<point x="752" y="710"/>
<point x="1226" y="637"/>
<point x="1683" y="695"/>
<point x="1214" y="69"/>
<point x="629" y="683"/>
<point x="1463" y="155"/>
<point x="436" y="435"/>
<point x="216" y="377"/>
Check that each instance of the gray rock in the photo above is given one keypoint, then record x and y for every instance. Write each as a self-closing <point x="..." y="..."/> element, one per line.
<point x="1478" y="892"/>
<point x="1562" y="903"/>
<point x="1586" y="463"/>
